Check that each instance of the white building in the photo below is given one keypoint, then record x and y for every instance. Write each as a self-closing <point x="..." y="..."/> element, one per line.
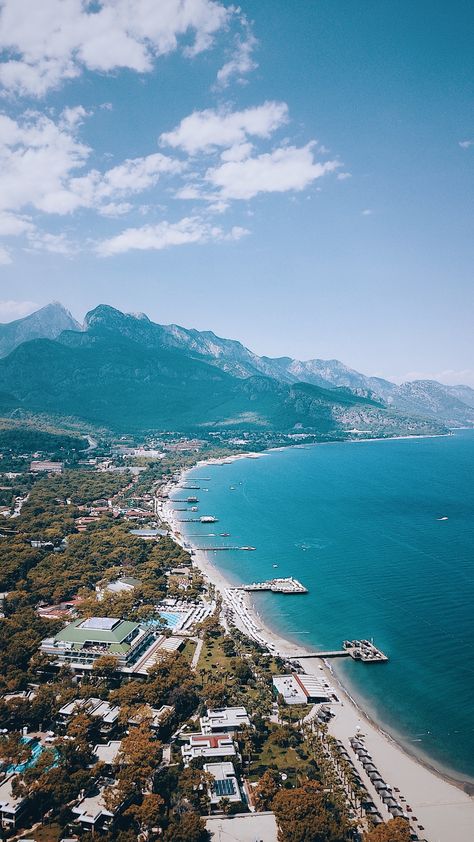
<point x="97" y="708"/>
<point x="208" y="745"/>
<point x="225" y="784"/>
<point x="301" y="689"/>
<point x="224" y="719"/>
<point x="108" y="753"/>
<point x="91" y="812"/>
<point x="11" y="807"/>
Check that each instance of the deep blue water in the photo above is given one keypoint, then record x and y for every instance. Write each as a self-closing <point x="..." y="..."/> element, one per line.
<point x="358" y="524"/>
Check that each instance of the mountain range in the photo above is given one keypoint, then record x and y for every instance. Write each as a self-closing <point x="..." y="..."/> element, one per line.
<point x="126" y="372"/>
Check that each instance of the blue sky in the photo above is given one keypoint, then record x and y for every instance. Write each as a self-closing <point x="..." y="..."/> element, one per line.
<point x="295" y="175"/>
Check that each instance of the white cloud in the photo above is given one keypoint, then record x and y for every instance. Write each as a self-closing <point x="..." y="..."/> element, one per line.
<point x="39" y="160"/>
<point x="165" y="234"/>
<point x="52" y="243"/>
<point x="12" y="225"/>
<point x="242" y="62"/>
<point x="284" y="169"/>
<point x="342" y="176"/>
<point x="36" y="157"/>
<point x="50" y="41"/>
<point x="238" y="152"/>
<point x="5" y="257"/>
<point x="204" y="131"/>
<point x="367" y="212"/>
<point x="132" y="176"/>
<point x="10" y="310"/>
<point x="465" y="144"/>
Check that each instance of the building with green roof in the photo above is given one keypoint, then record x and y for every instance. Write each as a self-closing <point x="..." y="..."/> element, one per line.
<point x="81" y="643"/>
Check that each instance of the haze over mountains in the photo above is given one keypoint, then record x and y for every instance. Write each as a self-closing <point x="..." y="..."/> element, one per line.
<point x="126" y="371"/>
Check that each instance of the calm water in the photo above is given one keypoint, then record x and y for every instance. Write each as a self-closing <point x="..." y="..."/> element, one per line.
<point x="358" y="524"/>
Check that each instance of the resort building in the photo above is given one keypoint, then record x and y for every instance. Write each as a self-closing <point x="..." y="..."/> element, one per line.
<point x="91" y="812"/>
<point x="96" y="708"/>
<point x="81" y="643"/>
<point x="208" y="745"/>
<point x="224" y="719"/>
<point x="225" y="784"/>
<point x="37" y="467"/>
<point x="11" y="807"/>
<point x="108" y="753"/>
<point x="301" y="689"/>
<point x="154" y="717"/>
<point x="126" y="584"/>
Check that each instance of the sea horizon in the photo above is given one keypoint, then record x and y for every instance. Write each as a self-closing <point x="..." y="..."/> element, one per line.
<point x="399" y="696"/>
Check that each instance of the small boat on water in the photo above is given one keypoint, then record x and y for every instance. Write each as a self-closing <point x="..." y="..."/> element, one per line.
<point x="442" y="518"/>
<point x="274" y="565"/>
<point x="247" y="548"/>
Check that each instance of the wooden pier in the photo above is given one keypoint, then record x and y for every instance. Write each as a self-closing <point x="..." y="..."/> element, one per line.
<point x="359" y="650"/>
<point x="286" y="586"/>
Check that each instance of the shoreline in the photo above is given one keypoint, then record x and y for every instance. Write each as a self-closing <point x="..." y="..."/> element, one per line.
<point x="443" y="803"/>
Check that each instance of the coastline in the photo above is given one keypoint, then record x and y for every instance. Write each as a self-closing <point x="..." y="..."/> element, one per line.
<point x="443" y="804"/>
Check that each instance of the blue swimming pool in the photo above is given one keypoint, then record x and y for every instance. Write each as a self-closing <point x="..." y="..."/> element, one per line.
<point x="172" y="618"/>
<point x="36" y="752"/>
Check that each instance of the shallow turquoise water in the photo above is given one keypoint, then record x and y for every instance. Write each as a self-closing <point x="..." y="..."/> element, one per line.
<point x="358" y="524"/>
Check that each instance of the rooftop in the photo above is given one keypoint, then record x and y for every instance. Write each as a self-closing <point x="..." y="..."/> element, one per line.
<point x="109" y="752"/>
<point x="247" y="827"/>
<point x="225" y="782"/>
<point x="226" y="718"/>
<point x="97" y="630"/>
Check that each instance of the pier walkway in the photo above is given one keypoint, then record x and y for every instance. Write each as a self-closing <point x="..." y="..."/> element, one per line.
<point x="359" y="650"/>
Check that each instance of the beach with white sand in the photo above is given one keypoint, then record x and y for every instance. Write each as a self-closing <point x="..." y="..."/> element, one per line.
<point x="440" y="809"/>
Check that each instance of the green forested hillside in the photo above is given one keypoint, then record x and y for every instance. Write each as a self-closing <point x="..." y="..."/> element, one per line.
<point x="108" y="379"/>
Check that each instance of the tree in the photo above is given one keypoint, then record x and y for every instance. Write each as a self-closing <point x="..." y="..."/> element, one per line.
<point x="14" y="750"/>
<point x="215" y="694"/>
<point x="242" y="671"/>
<point x="105" y="666"/>
<point x="266" y="789"/>
<point x="147" y="815"/>
<point x="187" y="827"/>
<point x="396" y="830"/>
<point x="307" y="814"/>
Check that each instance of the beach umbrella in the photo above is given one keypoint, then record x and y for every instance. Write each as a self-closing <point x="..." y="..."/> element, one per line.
<point x="369" y="766"/>
<point x="381" y="785"/>
<point x="396" y="812"/>
<point x="374" y="776"/>
<point x="390" y="802"/>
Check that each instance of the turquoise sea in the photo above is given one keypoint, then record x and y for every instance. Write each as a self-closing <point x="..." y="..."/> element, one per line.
<point x="360" y="525"/>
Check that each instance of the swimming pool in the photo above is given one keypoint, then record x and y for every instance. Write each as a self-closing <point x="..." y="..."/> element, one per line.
<point x="36" y="752"/>
<point x="173" y="619"/>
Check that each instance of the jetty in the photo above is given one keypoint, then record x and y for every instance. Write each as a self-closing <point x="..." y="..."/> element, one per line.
<point x="221" y="549"/>
<point x="359" y="650"/>
<point x="286" y="586"/>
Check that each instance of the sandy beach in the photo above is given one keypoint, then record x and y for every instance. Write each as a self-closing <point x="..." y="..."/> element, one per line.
<point x="444" y="811"/>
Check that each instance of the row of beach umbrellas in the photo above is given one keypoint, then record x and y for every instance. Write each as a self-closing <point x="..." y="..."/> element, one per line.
<point x="384" y="791"/>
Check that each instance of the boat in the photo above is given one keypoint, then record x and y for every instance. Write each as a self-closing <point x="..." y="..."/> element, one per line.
<point x="442" y="518"/>
<point x="224" y="534"/>
<point x="274" y="565"/>
<point x="247" y="548"/>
